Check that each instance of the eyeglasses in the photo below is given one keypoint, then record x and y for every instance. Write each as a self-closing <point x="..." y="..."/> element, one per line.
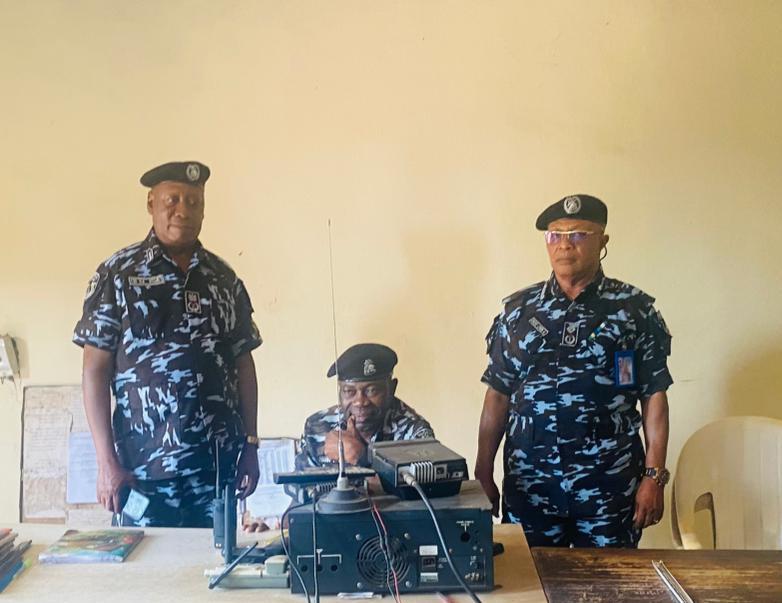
<point x="574" y="236"/>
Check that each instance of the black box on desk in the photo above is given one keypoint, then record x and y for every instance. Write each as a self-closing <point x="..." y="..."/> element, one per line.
<point x="351" y="555"/>
<point x="438" y="470"/>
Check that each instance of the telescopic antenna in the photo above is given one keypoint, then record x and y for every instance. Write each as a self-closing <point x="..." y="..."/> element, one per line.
<point x="340" y="446"/>
<point x="344" y="498"/>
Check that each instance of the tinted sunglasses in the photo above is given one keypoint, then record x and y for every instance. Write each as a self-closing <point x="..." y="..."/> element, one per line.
<point x="575" y="236"/>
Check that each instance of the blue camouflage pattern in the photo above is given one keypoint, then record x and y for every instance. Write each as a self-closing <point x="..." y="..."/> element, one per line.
<point x="401" y="423"/>
<point x="185" y="502"/>
<point x="175" y="338"/>
<point x="573" y="455"/>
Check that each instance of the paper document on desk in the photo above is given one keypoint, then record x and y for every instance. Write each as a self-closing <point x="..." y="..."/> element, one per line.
<point x="82" y="469"/>
<point x="275" y="455"/>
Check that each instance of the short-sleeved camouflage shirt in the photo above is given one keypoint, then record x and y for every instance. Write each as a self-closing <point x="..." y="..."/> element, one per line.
<point x="574" y="372"/>
<point x="401" y="423"/>
<point x="175" y="338"/>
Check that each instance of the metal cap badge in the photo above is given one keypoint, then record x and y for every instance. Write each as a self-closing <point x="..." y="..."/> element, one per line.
<point x="571" y="205"/>
<point x="193" y="172"/>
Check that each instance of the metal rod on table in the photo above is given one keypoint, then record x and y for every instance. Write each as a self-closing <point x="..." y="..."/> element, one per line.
<point x="672" y="583"/>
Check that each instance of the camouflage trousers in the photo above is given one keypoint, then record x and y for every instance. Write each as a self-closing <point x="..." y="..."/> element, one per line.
<point x="184" y="502"/>
<point x="562" y="512"/>
<point x="543" y="528"/>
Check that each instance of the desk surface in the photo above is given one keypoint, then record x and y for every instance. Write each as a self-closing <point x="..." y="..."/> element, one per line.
<point x="593" y="575"/>
<point x="168" y="565"/>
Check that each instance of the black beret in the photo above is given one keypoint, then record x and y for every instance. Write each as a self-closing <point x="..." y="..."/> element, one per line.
<point x="578" y="207"/>
<point x="189" y="172"/>
<point x="364" y="362"/>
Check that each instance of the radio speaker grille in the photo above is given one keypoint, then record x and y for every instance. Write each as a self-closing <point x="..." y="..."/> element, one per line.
<point x="372" y="562"/>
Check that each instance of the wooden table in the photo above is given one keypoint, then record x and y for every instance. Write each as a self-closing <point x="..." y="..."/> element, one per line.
<point x="626" y="575"/>
<point x="168" y="565"/>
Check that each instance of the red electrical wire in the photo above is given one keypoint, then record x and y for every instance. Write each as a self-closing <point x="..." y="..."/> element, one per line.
<point x="376" y="511"/>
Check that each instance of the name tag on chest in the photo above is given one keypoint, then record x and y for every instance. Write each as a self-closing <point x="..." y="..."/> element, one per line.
<point x="146" y="281"/>
<point x="538" y="326"/>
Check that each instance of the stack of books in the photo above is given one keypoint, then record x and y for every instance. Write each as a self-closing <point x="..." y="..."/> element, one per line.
<point x="11" y="556"/>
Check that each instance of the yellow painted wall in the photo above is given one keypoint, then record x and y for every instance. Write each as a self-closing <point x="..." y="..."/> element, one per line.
<point x="431" y="133"/>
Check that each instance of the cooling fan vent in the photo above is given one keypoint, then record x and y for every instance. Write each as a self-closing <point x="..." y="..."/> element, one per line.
<point x="372" y="563"/>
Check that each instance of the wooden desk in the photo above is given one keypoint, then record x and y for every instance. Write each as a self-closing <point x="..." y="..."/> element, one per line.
<point x="168" y="565"/>
<point x="626" y="575"/>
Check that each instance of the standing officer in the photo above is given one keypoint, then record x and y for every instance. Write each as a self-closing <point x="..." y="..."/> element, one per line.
<point x="370" y="410"/>
<point x="568" y="360"/>
<point x="167" y="328"/>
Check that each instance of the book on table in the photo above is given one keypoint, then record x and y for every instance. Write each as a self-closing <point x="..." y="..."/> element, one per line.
<point x="6" y="538"/>
<point x="93" y="546"/>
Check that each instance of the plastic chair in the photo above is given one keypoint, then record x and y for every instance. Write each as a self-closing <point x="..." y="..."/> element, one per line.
<point x="733" y="468"/>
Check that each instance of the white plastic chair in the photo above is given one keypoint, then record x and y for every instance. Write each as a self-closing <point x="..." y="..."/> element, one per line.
<point x="733" y="468"/>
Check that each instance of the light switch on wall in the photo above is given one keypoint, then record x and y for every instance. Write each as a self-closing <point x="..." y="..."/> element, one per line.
<point x="9" y="359"/>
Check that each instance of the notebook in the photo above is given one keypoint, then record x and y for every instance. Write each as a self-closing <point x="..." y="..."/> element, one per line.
<point x="96" y="546"/>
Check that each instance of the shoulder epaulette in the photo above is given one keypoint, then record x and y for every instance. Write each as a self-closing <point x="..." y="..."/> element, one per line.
<point x="627" y="289"/>
<point x="522" y="294"/>
<point x="220" y="262"/>
<point x="121" y="256"/>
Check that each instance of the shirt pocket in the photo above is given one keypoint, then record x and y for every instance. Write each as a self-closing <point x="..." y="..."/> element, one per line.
<point x="220" y="310"/>
<point x="600" y="347"/>
<point x="530" y="350"/>
<point x="149" y="310"/>
<point x="617" y="425"/>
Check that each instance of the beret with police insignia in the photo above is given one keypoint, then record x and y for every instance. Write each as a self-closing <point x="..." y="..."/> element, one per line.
<point x="578" y="207"/>
<point x="364" y="362"/>
<point x="189" y="172"/>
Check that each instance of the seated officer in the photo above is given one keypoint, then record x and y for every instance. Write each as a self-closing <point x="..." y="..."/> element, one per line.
<point x="370" y="410"/>
<point x="370" y="413"/>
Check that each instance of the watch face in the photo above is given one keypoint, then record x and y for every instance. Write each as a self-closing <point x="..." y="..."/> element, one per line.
<point x="661" y="476"/>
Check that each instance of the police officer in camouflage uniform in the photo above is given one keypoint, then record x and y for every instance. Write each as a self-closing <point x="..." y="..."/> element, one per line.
<point x="167" y="328"/>
<point x="370" y="410"/>
<point x="569" y="358"/>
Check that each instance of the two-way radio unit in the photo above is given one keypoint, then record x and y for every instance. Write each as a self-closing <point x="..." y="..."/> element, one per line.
<point x="356" y="553"/>
<point x="439" y="470"/>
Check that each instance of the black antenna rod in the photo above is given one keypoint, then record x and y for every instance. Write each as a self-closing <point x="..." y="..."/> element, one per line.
<point x="340" y="446"/>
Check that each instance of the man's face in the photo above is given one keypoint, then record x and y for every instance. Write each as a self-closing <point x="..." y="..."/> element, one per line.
<point x="177" y="211"/>
<point x="367" y="401"/>
<point x="575" y="258"/>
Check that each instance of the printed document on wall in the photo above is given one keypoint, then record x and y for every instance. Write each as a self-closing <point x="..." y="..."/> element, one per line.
<point x="82" y="469"/>
<point x="275" y="455"/>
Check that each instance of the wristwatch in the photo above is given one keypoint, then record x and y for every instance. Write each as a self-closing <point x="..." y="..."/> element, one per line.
<point x="253" y="440"/>
<point x="659" y="474"/>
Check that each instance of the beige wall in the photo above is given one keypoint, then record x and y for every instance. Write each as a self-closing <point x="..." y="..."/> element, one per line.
<point x="431" y="134"/>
